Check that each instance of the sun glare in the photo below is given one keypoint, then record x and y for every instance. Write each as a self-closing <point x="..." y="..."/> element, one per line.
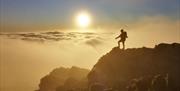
<point x="83" y="20"/>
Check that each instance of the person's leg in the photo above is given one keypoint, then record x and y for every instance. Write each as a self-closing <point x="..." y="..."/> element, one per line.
<point x="119" y="43"/>
<point x="123" y="44"/>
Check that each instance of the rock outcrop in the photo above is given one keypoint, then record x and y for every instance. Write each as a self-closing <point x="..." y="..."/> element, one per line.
<point x="64" y="77"/>
<point x="118" y="67"/>
<point x="135" y="69"/>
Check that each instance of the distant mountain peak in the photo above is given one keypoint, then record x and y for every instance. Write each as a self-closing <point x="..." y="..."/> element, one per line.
<point x="61" y="77"/>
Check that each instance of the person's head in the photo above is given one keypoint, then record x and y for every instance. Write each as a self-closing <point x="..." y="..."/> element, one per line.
<point x="122" y="30"/>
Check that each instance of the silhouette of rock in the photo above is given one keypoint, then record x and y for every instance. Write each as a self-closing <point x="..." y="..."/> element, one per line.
<point x="135" y="69"/>
<point x="159" y="83"/>
<point x="97" y="87"/>
<point x="118" y="67"/>
<point x="62" y="78"/>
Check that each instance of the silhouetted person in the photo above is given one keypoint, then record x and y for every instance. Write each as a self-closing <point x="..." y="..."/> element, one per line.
<point x="123" y="37"/>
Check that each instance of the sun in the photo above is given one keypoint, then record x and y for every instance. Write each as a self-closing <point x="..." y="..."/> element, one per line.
<point x="83" y="19"/>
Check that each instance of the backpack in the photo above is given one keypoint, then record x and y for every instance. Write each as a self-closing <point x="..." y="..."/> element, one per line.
<point x="125" y="34"/>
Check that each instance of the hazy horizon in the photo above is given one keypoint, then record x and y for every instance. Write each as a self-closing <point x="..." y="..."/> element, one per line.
<point x="29" y="57"/>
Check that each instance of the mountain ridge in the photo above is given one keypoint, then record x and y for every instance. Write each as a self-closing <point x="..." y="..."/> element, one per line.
<point x="118" y="67"/>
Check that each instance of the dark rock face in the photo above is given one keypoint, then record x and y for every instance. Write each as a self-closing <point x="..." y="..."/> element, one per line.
<point x="136" y="69"/>
<point x="61" y="79"/>
<point x="118" y="67"/>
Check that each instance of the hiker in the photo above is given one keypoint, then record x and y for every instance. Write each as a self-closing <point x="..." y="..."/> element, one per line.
<point x="123" y="37"/>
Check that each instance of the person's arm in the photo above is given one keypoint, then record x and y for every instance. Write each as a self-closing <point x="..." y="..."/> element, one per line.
<point x="117" y="37"/>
